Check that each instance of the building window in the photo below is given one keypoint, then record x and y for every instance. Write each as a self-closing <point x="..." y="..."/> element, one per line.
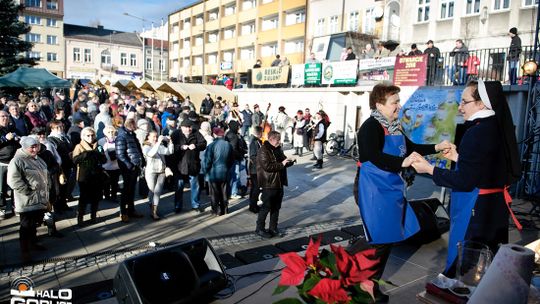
<point x="423" y="10"/>
<point x="213" y="15"/>
<point x="76" y="54"/>
<point x="123" y="59"/>
<point x="353" y="21"/>
<point x="175" y="28"/>
<point x="161" y="66"/>
<point x="198" y="60"/>
<point x="186" y="45"/>
<point x="247" y="53"/>
<point x="51" y="22"/>
<point x="199" y="20"/>
<point x="369" y="21"/>
<point x="472" y="7"/>
<point x="269" y="24"/>
<point x="228" y="33"/>
<point x="527" y="3"/>
<point x="51" y="57"/>
<point x="248" y="28"/>
<point x="267" y="1"/>
<point x="269" y="50"/>
<point x="31" y="37"/>
<point x="296" y="46"/>
<point x="106" y="57"/>
<point x="228" y="56"/>
<point x="333" y="24"/>
<point x="319" y="28"/>
<point x="186" y="62"/>
<point x="212" y="37"/>
<point x="295" y="17"/>
<point x="52" y="4"/>
<point x="230" y="10"/>
<point x="447" y="9"/>
<point x="248" y="4"/>
<point x="133" y="60"/>
<point x="32" y="3"/>
<point x="87" y="55"/>
<point x="501" y="5"/>
<point x="212" y="58"/>
<point x="34" y="20"/>
<point x="51" y="39"/>
<point x="34" y="55"/>
<point x="199" y="40"/>
<point x="187" y="24"/>
<point x="148" y="63"/>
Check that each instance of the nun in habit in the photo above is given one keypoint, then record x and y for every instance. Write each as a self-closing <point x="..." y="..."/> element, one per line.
<point x="487" y="162"/>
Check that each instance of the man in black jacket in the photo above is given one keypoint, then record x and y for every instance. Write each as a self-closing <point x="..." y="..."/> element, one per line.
<point x="433" y="60"/>
<point x="130" y="161"/>
<point x="64" y="149"/>
<point x="239" y="150"/>
<point x="254" y="146"/>
<point x="271" y="177"/>
<point x="513" y="55"/>
<point x="186" y="164"/>
<point x="207" y="105"/>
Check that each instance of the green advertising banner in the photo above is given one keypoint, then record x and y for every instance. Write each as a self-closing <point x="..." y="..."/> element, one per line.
<point x="340" y="72"/>
<point x="312" y="73"/>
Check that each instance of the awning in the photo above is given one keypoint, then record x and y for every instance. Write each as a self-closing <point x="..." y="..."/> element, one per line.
<point x="25" y="77"/>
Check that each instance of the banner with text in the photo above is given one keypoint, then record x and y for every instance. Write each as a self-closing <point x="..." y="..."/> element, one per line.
<point x="271" y="75"/>
<point x="339" y="72"/>
<point x="312" y="72"/>
<point x="297" y="75"/>
<point x="377" y="69"/>
<point x="410" y="70"/>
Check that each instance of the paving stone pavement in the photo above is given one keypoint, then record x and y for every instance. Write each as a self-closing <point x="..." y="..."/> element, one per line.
<point x="315" y="201"/>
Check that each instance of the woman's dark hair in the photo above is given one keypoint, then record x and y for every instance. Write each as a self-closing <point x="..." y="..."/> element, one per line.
<point x="380" y="93"/>
<point x="475" y="94"/>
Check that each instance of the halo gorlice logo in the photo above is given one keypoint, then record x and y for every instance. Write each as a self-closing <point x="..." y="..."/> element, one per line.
<point x="22" y="291"/>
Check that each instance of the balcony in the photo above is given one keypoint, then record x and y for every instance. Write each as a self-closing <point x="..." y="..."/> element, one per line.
<point x="228" y="21"/>
<point x="244" y="16"/>
<point x="293" y="4"/>
<point x="211" y="47"/>
<point x="228" y="43"/>
<point x="196" y="50"/>
<point x="196" y="70"/>
<point x="243" y="65"/>
<point x="271" y="8"/>
<point x="246" y="40"/>
<point x="211" y="69"/>
<point x="212" y="25"/>
<point x="267" y="36"/>
<point x="293" y="31"/>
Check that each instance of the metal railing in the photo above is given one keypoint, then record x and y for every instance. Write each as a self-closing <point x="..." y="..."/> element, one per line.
<point x="485" y="64"/>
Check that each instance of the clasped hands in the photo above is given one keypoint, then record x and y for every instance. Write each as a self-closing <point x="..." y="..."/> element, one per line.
<point x="421" y="165"/>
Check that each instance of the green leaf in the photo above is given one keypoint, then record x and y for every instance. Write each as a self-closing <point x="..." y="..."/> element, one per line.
<point x="310" y="283"/>
<point x="328" y="260"/>
<point x="289" y="301"/>
<point x="359" y="296"/>
<point x="279" y="289"/>
<point x="383" y="282"/>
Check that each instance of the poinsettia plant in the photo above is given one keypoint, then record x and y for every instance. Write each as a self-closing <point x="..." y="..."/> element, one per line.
<point x="331" y="276"/>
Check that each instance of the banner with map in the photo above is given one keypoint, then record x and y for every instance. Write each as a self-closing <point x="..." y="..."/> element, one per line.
<point x="430" y="116"/>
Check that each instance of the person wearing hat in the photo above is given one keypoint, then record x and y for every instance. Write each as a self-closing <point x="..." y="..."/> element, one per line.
<point x="187" y="103"/>
<point x="487" y="162"/>
<point x="74" y="132"/>
<point x="281" y="122"/>
<point x="240" y="148"/>
<point x="414" y="50"/>
<point x="206" y="105"/>
<point x="257" y="119"/>
<point x="186" y="164"/>
<point x="28" y="177"/>
<point x="218" y="160"/>
<point x="82" y="114"/>
<point x="432" y="64"/>
<point x="195" y="123"/>
<point x="513" y="55"/>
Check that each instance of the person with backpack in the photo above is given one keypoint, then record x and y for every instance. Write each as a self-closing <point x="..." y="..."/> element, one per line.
<point x="239" y="151"/>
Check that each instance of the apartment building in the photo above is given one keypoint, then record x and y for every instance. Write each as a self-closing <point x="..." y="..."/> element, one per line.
<point x="481" y="24"/>
<point x="96" y="52"/>
<point x="156" y="53"/>
<point x="216" y="37"/>
<point x="46" y="18"/>
<point x="333" y="25"/>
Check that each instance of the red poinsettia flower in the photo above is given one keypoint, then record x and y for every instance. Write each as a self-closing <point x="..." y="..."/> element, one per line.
<point x="296" y="266"/>
<point x="355" y="269"/>
<point x="330" y="291"/>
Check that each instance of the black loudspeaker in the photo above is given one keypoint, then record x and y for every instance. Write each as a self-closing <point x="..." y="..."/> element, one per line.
<point x="433" y="219"/>
<point x="187" y="273"/>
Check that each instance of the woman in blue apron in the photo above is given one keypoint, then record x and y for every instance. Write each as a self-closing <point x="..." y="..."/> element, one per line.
<point x="487" y="162"/>
<point x="383" y="151"/>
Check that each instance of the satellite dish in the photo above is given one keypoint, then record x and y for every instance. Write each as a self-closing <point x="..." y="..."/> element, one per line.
<point x="378" y="12"/>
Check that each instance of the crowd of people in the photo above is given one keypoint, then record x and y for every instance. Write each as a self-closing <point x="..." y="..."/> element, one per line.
<point x="50" y="144"/>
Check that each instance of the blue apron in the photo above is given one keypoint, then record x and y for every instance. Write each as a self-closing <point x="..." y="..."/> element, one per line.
<point x="386" y="216"/>
<point x="460" y="216"/>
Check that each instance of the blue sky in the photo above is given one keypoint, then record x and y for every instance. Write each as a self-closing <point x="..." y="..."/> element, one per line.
<point x="110" y="13"/>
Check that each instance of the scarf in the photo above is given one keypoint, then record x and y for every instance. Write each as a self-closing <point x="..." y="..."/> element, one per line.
<point x="394" y="128"/>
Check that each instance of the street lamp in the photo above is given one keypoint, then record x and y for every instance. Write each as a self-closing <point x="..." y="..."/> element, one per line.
<point x="142" y="40"/>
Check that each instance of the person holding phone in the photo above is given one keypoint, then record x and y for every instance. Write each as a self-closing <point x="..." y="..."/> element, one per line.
<point x="272" y="167"/>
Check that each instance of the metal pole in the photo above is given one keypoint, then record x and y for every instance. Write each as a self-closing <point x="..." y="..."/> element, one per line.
<point x="144" y="54"/>
<point x="161" y="58"/>
<point x="204" y="41"/>
<point x="152" y="53"/>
